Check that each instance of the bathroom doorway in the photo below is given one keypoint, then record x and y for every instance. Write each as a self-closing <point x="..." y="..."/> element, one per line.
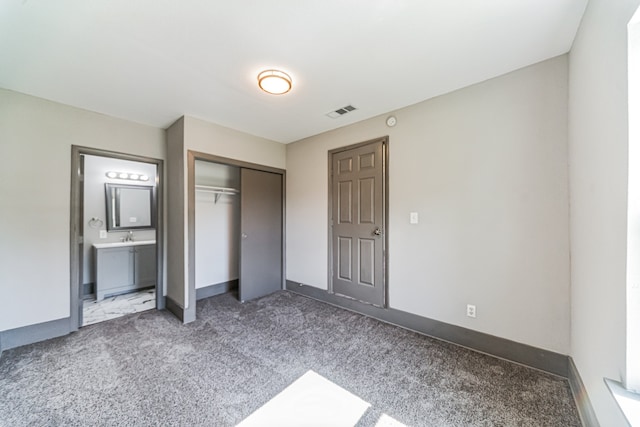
<point x="116" y="235"/>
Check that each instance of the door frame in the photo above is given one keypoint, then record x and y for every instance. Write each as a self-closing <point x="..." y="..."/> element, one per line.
<point x="192" y="156"/>
<point x="385" y="214"/>
<point x="77" y="202"/>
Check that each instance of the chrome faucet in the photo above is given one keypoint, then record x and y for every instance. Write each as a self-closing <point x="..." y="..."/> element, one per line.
<point x="129" y="237"/>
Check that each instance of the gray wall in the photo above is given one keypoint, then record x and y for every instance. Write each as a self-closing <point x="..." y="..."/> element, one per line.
<point x="35" y="168"/>
<point x="176" y="214"/>
<point x="217" y="225"/>
<point x="599" y="162"/>
<point x="190" y="133"/>
<point x="214" y="139"/>
<point x="95" y="168"/>
<point x="486" y="169"/>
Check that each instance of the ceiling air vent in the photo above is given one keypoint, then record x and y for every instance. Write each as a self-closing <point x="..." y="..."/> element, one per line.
<point x="341" y="111"/>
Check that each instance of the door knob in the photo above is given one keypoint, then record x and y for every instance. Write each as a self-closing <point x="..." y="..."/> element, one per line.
<point x="377" y="231"/>
<point x="244" y="235"/>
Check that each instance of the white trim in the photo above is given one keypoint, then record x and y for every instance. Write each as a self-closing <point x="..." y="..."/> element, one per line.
<point x="628" y="402"/>
<point x="632" y="375"/>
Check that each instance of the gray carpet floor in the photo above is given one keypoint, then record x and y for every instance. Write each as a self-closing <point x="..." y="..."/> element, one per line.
<point x="148" y="369"/>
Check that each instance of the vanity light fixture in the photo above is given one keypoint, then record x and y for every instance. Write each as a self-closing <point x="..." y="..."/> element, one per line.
<point x="127" y="175"/>
<point x="275" y="82"/>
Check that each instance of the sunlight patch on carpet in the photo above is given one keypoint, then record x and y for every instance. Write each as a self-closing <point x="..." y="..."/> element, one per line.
<point x="313" y="400"/>
<point x="387" y="421"/>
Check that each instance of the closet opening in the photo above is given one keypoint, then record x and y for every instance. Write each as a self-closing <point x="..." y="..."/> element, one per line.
<point x="217" y="227"/>
<point x="235" y="228"/>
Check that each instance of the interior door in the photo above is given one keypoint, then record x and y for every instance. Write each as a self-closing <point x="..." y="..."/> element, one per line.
<point x="261" y="233"/>
<point x="357" y="223"/>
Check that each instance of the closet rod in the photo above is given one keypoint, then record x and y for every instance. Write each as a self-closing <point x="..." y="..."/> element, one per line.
<point x="218" y="191"/>
<point x="211" y="189"/>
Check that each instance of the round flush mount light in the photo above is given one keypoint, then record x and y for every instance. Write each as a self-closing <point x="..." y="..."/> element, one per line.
<point x="275" y="82"/>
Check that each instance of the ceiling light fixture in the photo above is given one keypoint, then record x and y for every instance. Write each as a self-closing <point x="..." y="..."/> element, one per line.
<point x="274" y="82"/>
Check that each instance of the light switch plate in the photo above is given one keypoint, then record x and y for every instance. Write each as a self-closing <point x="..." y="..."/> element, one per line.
<point x="413" y="217"/>
<point x="103" y="234"/>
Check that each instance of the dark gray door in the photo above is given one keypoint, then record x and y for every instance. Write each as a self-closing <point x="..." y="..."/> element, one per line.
<point x="357" y="222"/>
<point x="261" y="238"/>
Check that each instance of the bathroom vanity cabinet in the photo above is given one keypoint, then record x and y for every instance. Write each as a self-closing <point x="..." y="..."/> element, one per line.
<point x="123" y="267"/>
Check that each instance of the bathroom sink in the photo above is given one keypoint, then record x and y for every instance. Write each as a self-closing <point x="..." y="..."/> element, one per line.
<point x="121" y="244"/>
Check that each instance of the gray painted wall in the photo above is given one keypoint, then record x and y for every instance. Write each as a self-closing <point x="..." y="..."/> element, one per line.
<point x="214" y="139"/>
<point x="599" y="160"/>
<point x="176" y="214"/>
<point x="486" y="169"/>
<point x="35" y="168"/>
<point x="95" y="168"/>
<point x="187" y="134"/>
<point x="217" y="225"/>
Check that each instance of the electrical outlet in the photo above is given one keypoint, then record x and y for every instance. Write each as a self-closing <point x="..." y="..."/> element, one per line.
<point x="413" y="218"/>
<point x="103" y="234"/>
<point x="471" y="310"/>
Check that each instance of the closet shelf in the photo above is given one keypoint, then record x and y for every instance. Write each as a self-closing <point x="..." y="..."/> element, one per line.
<point x="218" y="191"/>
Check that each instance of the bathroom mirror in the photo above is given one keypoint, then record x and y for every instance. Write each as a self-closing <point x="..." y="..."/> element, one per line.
<point x="130" y="207"/>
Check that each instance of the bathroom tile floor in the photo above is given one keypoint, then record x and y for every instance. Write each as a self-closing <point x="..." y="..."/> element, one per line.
<point x="117" y="306"/>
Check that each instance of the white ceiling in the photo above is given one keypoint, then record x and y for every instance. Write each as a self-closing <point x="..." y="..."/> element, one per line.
<point x="152" y="61"/>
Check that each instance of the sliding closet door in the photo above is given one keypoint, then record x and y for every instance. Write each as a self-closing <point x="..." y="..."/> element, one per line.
<point x="261" y="233"/>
